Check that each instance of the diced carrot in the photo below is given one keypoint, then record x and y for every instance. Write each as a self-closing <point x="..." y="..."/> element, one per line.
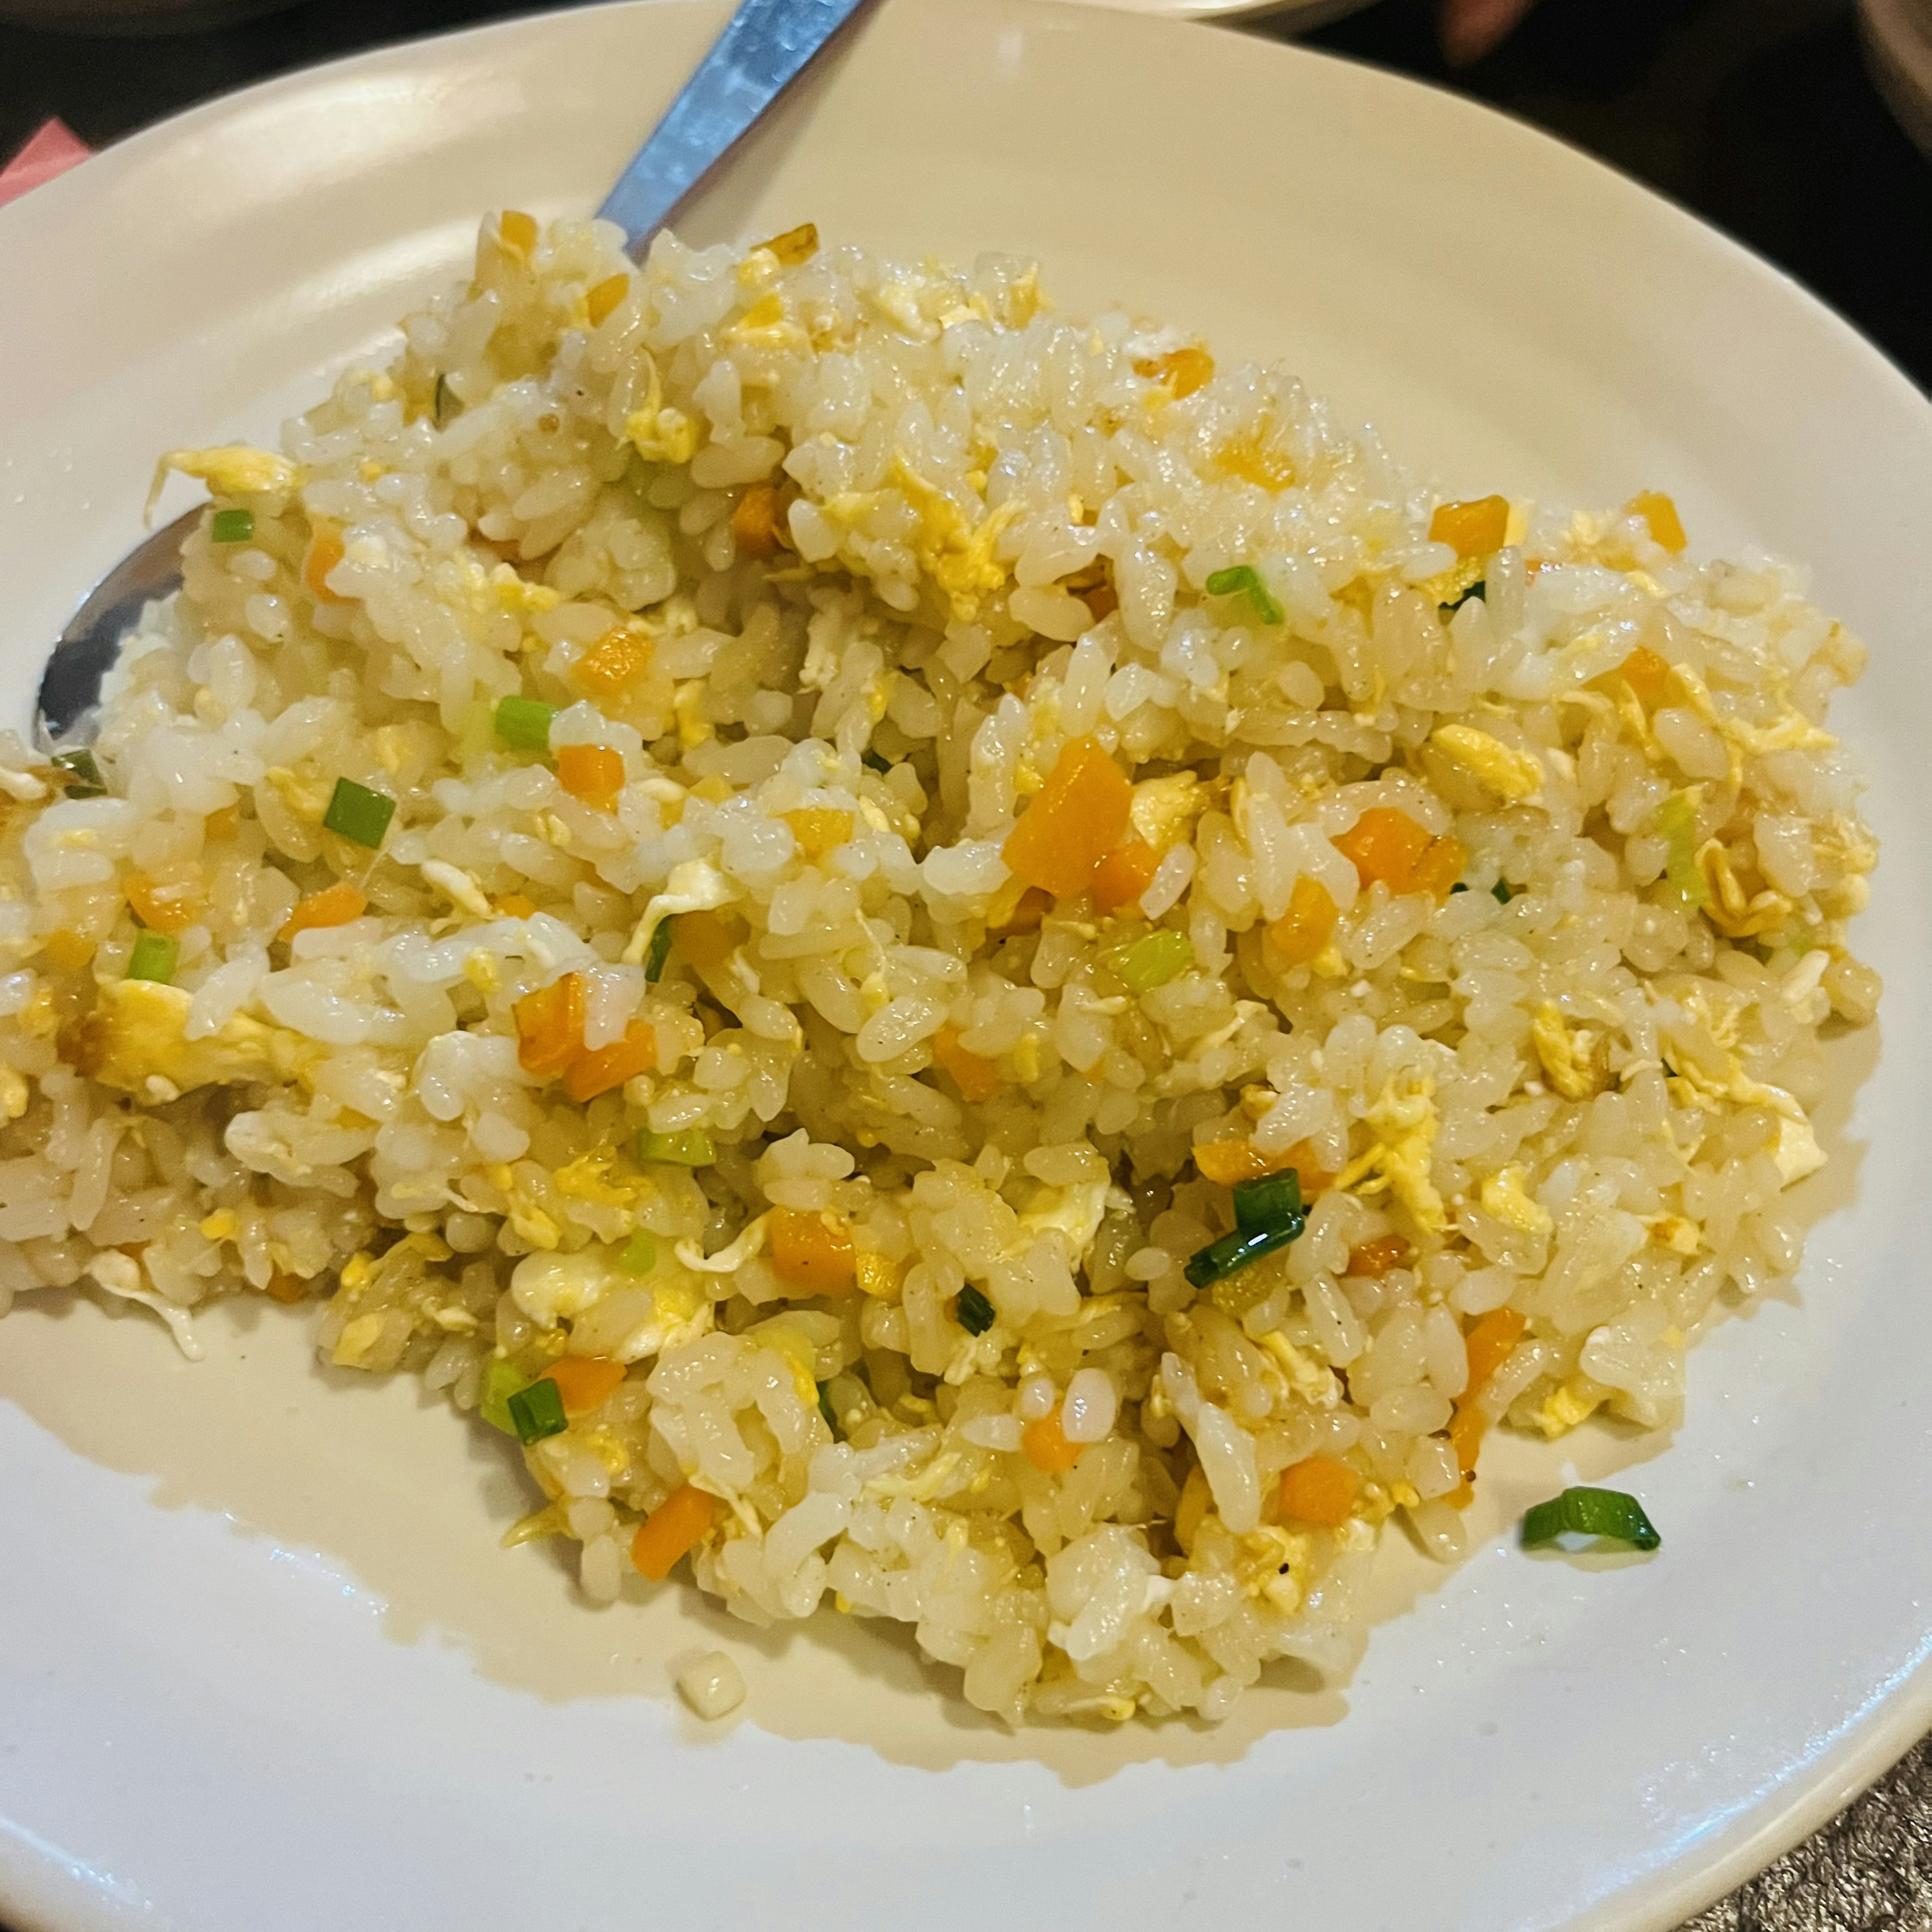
<point x="706" y="939"/>
<point x="1075" y="821"/>
<point x="1383" y="844"/>
<point x="219" y="828"/>
<point x="1490" y="1343"/>
<point x="1657" y="510"/>
<point x="326" y="550"/>
<point x="600" y="301"/>
<point x="68" y="950"/>
<point x="1438" y="868"/>
<point x="1046" y="1447"/>
<point x="603" y="1068"/>
<point x="1124" y="873"/>
<point x="674" y="1528"/>
<point x="166" y="905"/>
<point x="977" y="1078"/>
<point x="1188" y="1512"/>
<point x="594" y="773"/>
<point x="614" y="663"/>
<point x="820" y="830"/>
<point x="1101" y="601"/>
<point x="813" y="1252"/>
<point x="513" y="905"/>
<point x="1306" y="928"/>
<point x="1377" y="1257"/>
<point x="1227" y="1163"/>
<point x="1472" y="529"/>
<point x="334" y="905"/>
<point x="1033" y="906"/>
<point x="1320" y="1490"/>
<point x="585" y="1382"/>
<point x="1388" y="845"/>
<point x="1461" y="1496"/>
<point x="287" y="1288"/>
<point x="755" y="522"/>
<point x="550" y="1027"/>
<point x="1180" y="372"/>
<point x="1647" y="675"/>
<point x="519" y="230"/>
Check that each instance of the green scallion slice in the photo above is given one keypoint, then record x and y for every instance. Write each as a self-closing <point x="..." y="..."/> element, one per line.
<point x="689" y="1147"/>
<point x="640" y="1254"/>
<point x="1676" y="824"/>
<point x="524" y="723"/>
<point x="1243" y="580"/>
<point x="1478" y="588"/>
<point x="439" y="408"/>
<point x="154" y="957"/>
<point x="1152" y="960"/>
<point x="82" y="778"/>
<point x="1502" y="892"/>
<point x="1232" y="1252"/>
<point x="501" y="1381"/>
<point x="1271" y="1202"/>
<point x="873" y="762"/>
<point x="359" y="814"/>
<point x="825" y="1410"/>
<point x="1584" y="1512"/>
<point x="658" y="951"/>
<point x="975" y="1313"/>
<point x="537" y="1411"/>
<point x="231" y="526"/>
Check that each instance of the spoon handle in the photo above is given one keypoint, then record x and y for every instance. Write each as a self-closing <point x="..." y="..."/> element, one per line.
<point x="763" y="48"/>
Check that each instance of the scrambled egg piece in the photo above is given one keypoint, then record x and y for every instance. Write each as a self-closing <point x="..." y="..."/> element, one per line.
<point x="1735" y="914"/>
<point x="1076" y="1210"/>
<point x="1315" y="1384"/>
<point x="1403" y="1121"/>
<point x="1575" y="1059"/>
<point x="661" y="434"/>
<point x="766" y="325"/>
<point x="230" y="469"/>
<point x="1795" y="1150"/>
<point x="552" y="1287"/>
<point x="588" y="1178"/>
<point x="1566" y="1405"/>
<point x="527" y="1217"/>
<point x="136" y="1036"/>
<point x="1506" y="1198"/>
<point x="1510" y="774"/>
<point x="1164" y="810"/>
<point x="958" y="556"/>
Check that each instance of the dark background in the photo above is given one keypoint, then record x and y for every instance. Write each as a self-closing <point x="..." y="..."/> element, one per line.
<point x="1757" y="114"/>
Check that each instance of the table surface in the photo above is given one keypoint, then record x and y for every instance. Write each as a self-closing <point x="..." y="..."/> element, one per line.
<point x="1757" y="115"/>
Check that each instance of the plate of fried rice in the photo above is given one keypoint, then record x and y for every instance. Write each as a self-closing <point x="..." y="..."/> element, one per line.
<point x="1010" y="1047"/>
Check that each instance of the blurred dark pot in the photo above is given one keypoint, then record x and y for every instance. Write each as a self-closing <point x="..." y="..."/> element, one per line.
<point x="133" y="16"/>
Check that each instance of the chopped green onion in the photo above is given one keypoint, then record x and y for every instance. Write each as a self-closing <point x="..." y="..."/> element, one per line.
<point x="825" y="1410"/>
<point x="659" y="950"/>
<point x="1152" y="960"/>
<point x="359" y="814"/>
<point x="1584" y="1512"/>
<point x="1478" y="588"/>
<point x="439" y="408"/>
<point x="1232" y="1252"/>
<point x="153" y="957"/>
<point x="1676" y="825"/>
<point x="873" y="762"/>
<point x="501" y="1381"/>
<point x="975" y="1313"/>
<point x="1243" y="580"/>
<point x="524" y="723"/>
<point x="1460" y="886"/>
<point x="689" y="1147"/>
<point x="232" y="527"/>
<point x="537" y="1411"/>
<point x="1502" y="892"/>
<point x="1271" y="1202"/>
<point x="640" y="1254"/>
<point x="83" y="775"/>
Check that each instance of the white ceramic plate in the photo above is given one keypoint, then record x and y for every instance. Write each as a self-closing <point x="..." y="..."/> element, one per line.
<point x="261" y="1664"/>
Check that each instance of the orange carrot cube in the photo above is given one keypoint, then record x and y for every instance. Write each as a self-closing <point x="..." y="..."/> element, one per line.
<point x="1046" y="1447"/>
<point x="550" y="1027"/>
<point x="584" y="1382"/>
<point x="977" y="1078"/>
<point x="1473" y="529"/>
<point x="1074" y="822"/>
<point x="813" y="1252"/>
<point x="1306" y="928"/>
<point x="1320" y="1490"/>
<point x="674" y="1528"/>
<point x="603" y="1068"/>
<point x="594" y="773"/>
<point x="334" y="905"/>
<point x="1123" y="874"/>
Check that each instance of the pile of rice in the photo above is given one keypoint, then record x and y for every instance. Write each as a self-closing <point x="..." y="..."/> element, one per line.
<point x="839" y="556"/>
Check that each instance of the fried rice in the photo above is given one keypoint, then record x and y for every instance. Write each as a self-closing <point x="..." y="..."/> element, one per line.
<point x="966" y="967"/>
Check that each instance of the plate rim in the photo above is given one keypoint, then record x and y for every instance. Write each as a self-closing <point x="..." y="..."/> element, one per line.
<point x="1871" y="1740"/>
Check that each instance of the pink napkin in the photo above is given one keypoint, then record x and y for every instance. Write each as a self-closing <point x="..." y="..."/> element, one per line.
<point x="51" y="151"/>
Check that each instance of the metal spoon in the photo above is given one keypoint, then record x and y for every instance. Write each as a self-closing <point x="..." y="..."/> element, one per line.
<point x="766" y="45"/>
